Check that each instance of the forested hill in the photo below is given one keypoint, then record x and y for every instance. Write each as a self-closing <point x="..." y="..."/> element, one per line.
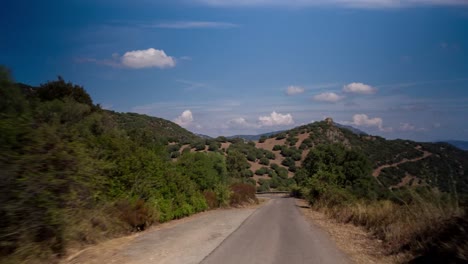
<point x="150" y="128"/>
<point x="395" y="163"/>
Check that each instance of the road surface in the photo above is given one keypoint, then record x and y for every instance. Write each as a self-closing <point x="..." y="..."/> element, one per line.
<point x="277" y="233"/>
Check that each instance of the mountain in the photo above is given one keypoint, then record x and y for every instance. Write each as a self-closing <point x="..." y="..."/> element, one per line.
<point x="395" y="163"/>
<point x="254" y="137"/>
<point x="457" y="143"/>
<point x="152" y="128"/>
<point x="204" y="136"/>
<point x="352" y="129"/>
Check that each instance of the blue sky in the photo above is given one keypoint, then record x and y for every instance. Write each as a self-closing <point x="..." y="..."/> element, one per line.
<point x="398" y="69"/>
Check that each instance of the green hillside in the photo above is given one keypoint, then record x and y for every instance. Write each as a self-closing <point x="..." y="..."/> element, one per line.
<point x="148" y="128"/>
<point x="73" y="174"/>
<point x="445" y="167"/>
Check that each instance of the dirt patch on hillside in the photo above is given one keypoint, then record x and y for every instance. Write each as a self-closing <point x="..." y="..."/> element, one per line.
<point x="355" y="241"/>
<point x="225" y="145"/>
<point x="255" y="166"/>
<point x="301" y="138"/>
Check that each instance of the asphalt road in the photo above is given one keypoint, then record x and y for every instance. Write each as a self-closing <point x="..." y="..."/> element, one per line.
<point x="274" y="232"/>
<point x="277" y="233"/>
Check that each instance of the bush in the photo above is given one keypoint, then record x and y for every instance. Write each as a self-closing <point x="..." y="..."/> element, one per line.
<point x="242" y="193"/>
<point x="137" y="215"/>
<point x="261" y="171"/>
<point x="251" y="157"/>
<point x="247" y="173"/>
<point x="288" y="162"/>
<point x="277" y="147"/>
<point x="270" y="155"/>
<point x="211" y="199"/>
<point x="175" y="155"/>
<point x="264" y="161"/>
<point x="281" y="136"/>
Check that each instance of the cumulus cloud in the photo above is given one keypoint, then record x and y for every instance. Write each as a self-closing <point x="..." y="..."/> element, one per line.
<point x="136" y="59"/>
<point x="343" y="3"/>
<point x="359" y="88"/>
<point x="276" y="119"/>
<point x="148" y="58"/>
<point x="240" y="122"/>
<point x="293" y="90"/>
<point x="185" y="119"/>
<point x="328" y="97"/>
<point x="364" y="121"/>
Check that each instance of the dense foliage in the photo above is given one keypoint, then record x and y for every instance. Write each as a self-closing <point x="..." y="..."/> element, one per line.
<point x="72" y="173"/>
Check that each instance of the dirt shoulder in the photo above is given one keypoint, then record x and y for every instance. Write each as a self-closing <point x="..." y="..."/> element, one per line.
<point x="186" y="240"/>
<point x="355" y="241"/>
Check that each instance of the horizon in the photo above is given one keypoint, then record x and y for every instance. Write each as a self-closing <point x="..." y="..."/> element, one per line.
<point x="395" y="69"/>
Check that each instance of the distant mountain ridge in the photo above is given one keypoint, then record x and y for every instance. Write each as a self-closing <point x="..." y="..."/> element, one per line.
<point x="457" y="143"/>
<point x="255" y="137"/>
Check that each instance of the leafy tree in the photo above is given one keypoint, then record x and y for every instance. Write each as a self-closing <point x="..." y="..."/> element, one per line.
<point x="236" y="163"/>
<point x="59" y="89"/>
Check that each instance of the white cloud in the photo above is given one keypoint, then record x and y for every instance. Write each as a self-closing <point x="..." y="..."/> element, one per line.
<point x="293" y="90"/>
<point x="409" y="127"/>
<point x="276" y="119"/>
<point x="364" y="121"/>
<point x="240" y="122"/>
<point x="359" y="88"/>
<point x="328" y="97"/>
<point x="342" y="3"/>
<point x="185" y="119"/>
<point x="148" y="58"/>
<point x="193" y="25"/>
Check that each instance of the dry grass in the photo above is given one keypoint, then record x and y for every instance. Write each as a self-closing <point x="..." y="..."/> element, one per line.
<point x="361" y="246"/>
<point x="420" y="228"/>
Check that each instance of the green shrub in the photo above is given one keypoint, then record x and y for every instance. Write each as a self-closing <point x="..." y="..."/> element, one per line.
<point x="261" y="171"/>
<point x="270" y="155"/>
<point x="277" y="147"/>
<point x="264" y="161"/>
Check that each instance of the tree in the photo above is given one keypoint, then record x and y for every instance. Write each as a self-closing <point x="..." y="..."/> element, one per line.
<point x="60" y="89"/>
<point x="335" y="165"/>
<point x="236" y="163"/>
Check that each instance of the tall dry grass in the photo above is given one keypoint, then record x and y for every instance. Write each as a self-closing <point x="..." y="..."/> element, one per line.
<point x="431" y="224"/>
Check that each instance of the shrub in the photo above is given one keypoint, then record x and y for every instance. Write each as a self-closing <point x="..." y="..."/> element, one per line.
<point x="242" y="193"/>
<point x="281" y="136"/>
<point x="211" y="199"/>
<point x="277" y="147"/>
<point x="261" y="171"/>
<point x="270" y="155"/>
<point x="288" y="162"/>
<point x="137" y="214"/>
<point x="264" y="161"/>
<point x="247" y="173"/>
<point x="251" y="157"/>
<point x="222" y="194"/>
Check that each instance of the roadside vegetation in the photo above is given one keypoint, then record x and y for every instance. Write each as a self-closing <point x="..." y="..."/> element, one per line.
<point x="421" y="222"/>
<point x="74" y="174"/>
